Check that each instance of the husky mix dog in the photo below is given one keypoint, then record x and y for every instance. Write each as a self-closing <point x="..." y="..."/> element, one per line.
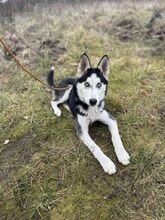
<point x="85" y="100"/>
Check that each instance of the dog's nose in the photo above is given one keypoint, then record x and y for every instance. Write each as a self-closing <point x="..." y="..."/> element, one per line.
<point x="93" y="102"/>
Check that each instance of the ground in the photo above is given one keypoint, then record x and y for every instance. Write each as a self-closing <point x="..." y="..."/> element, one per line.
<point x="45" y="170"/>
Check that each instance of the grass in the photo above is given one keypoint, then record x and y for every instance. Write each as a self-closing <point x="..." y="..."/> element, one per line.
<point x="46" y="172"/>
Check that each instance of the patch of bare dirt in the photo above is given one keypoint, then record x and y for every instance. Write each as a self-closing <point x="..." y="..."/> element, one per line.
<point x="14" y="155"/>
<point x="17" y="47"/>
<point x="126" y="29"/>
<point x="155" y="32"/>
<point x="54" y="47"/>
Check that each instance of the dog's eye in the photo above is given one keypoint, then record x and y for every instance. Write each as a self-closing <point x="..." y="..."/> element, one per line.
<point x="86" y="84"/>
<point x="99" y="85"/>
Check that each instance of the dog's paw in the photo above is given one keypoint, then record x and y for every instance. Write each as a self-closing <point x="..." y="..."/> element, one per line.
<point x="57" y="112"/>
<point x="108" y="166"/>
<point x="123" y="157"/>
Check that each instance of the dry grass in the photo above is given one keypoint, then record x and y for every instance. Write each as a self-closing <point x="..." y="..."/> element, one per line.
<point x="46" y="172"/>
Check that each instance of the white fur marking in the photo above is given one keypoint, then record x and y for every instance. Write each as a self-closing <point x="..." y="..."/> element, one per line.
<point x="107" y="165"/>
<point x="57" y="111"/>
<point x="121" y="153"/>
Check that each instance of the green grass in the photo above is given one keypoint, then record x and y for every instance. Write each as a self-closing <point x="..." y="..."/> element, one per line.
<point x="45" y="170"/>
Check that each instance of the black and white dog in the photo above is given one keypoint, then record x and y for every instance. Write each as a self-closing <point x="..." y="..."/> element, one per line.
<point x="85" y="100"/>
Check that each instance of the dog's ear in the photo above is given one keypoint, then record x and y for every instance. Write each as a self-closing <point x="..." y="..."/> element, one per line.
<point x="83" y="65"/>
<point x="104" y="66"/>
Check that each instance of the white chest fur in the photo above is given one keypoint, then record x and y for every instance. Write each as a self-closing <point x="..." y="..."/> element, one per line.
<point x="93" y="113"/>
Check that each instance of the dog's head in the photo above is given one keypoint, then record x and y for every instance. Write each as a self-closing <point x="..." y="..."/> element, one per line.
<point x="92" y="82"/>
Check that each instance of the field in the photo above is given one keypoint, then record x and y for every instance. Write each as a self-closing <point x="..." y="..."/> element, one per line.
<point x="45" y="170"/>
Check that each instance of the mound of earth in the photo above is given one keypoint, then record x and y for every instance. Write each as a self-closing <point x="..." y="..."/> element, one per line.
<point x="54" y="47"/>
<point x="126" y="29"/>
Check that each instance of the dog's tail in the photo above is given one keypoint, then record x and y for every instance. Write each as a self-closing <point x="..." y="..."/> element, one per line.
<point x="50" y="77"/>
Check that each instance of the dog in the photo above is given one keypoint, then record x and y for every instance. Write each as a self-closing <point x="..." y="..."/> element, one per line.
<point x="85" y="99"/>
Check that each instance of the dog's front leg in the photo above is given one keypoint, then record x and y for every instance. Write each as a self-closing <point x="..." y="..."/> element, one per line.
<point x="82" y="130"/>
<point x="121" y="153"/>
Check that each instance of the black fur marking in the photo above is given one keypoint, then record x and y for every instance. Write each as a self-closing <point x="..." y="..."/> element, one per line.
<point x="64" y="83"/>
<point x="101" y="103"/>
<point x="56" y="98"/>
<point x="91" y="71"/>
<point x="74" y="101"/>
<point x="81" y="113"/>
<point x="50" y="78"/>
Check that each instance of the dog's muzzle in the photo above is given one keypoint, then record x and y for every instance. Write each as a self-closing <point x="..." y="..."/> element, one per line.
<point x="93" y="102"/>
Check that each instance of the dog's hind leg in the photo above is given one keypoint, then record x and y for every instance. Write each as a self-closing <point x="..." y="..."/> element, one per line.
<point x="120" y="151"/>
<point x="59" y="100"/>
<point x="82" y="130"/>
<point x="55" y="107"/>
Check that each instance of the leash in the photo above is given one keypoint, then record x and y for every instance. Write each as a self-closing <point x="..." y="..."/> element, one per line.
<point x="17" y="60"/>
